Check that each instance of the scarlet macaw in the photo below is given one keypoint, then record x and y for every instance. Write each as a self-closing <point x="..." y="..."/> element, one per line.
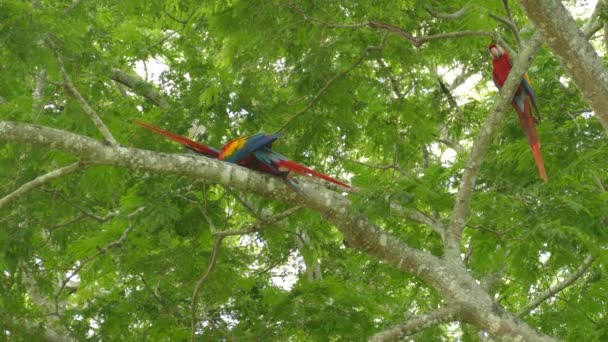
<point x="522" y="102"/>
<point x="253" y="152"/>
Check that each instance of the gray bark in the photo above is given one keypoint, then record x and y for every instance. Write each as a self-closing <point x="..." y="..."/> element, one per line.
<point x="574" y="52"/>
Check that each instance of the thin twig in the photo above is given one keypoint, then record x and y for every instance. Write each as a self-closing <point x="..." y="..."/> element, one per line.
<point x="557" y="288"/>
<point x="447" y="16"/>
<point x="100" y="251"/>
<point x="509" y="24"/>
<point x="419" y="41"/>
<point x="252" y="228"/>
<point x="317" y="97"/>
<point x="38" y="181"/>
<point x="416" y="324"/>
<point x="69" y="85"/>
<point x="199" y="284"/>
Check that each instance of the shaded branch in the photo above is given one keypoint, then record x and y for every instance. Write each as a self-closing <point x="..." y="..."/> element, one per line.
<point x="419" y="217"/>
<point x="252" y="228"/>
<point x="510" y="24"/>
<point x="102" y="250"/>
<point x="469" y="177"/>
<point x="199" y="284"/>
<point x="557" y="288"/>
<point x="416" y="324"/>
<point x="69" y="85"/>
<point x="38" y="181"/>
<point x="317" y="97"/>
<point x="419" y="41"/>
<point x="447" y="16"/>
<point x="140" y="87"/>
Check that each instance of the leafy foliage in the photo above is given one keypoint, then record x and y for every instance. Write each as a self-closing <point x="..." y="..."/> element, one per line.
<point x="353" y="101"/>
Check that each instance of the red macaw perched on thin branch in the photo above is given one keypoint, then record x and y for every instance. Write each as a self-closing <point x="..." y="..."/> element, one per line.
<point x="523" y="101"/>
<point x="253" y="152"/>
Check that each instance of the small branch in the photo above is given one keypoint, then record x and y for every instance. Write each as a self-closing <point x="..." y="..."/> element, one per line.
<point x="201" y="281"/>
<point x="509" y="23"/>
<point x="102" y="250"/>
<point x="598" y="182"/>
<point x="140" y="87"/>
<point x="317" y="97"/>
<point x="469" y="177"/>
<point x="69" y="85"/>
<point x="40" y="80"/>
<point x="447" y="16"/>
<point x="70" y="8"/>
<point x="419" y="41"/>
<point x="38" y="181"/>
<point x="419" y="217"/>
<point x="326" y="24"/>
<point x="416" y="324"/>
<point x="557" y="288"/>
<point x="252" y="228"/>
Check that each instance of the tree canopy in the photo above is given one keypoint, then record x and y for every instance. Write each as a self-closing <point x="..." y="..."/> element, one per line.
<point x="110" y="232"/>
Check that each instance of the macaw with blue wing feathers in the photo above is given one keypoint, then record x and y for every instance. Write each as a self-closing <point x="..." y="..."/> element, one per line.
<point x="253" y="152"/>
<point x="258" y="147"/>
<point x="523" y="102"/>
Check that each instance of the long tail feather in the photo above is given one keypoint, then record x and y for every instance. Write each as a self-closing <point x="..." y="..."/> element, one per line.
<point x="539" y="161"/>
<point x="305" y="171"/>
<point x="527" y="124"/>
<point x="191" y="144"/>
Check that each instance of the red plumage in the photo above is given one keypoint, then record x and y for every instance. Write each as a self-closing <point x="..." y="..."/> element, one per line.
<point x="191" y="144"/>
<point x="524" y="97"/>
<point x="288" y="165"/>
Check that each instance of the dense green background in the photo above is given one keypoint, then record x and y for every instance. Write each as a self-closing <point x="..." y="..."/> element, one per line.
<point x="247" y="66"/>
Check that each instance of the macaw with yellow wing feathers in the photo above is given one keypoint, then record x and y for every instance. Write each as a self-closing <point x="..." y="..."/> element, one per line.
<point x="258" y="148"/>
<point x="253" y="152"/>
<point x="523" y="102"/>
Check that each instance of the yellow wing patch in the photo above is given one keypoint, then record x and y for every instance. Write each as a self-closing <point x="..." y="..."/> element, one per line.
<point x="233" y="146"/>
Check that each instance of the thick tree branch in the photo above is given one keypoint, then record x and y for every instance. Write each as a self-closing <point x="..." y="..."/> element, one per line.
<point x="79" y="98"/>
<point x="574" y="52"/>
<point x="416" y="324"/>
<point x="557" y="288"/>
<point x="469" y="177"/>
<point x="141" y="87"/>
<point x="38" y="181"/>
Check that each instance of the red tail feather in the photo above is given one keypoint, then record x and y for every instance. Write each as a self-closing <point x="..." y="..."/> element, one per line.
<point x="539" y="161"/>
<point x="191" y="144"/>
<point x="305" y="171"/>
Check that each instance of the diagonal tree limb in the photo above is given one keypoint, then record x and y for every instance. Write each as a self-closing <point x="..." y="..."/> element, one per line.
<point x="69" y="85"/>
<point x="140" y="87"/>
<point x="469" y="177"/>
<point x="38" y="181"/>
<point x="543" y="296"/>
<point x="574" y="52"/>
<point x="416" y="324"/>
